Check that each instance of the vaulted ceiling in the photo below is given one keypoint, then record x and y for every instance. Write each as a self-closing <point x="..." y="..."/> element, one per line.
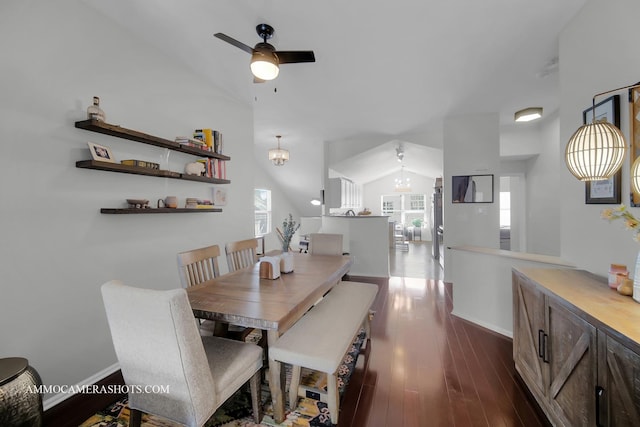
<point x="391" y="71"/>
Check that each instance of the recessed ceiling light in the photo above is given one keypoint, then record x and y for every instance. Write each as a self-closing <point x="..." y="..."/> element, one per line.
<point x="528" y="114"/>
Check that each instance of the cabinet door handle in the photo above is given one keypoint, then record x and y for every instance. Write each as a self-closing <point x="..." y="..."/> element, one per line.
<point x="545" y="349"/>
<point x="599" y="395"/>
<point x="540" y="349"/>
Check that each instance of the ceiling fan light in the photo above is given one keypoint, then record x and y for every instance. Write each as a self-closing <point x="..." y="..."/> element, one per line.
<point x="595" y="151"/>
<point x="264" y="65"/>
<point x="528" y="114"/>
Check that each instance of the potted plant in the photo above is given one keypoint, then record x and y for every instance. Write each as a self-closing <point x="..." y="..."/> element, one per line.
<point x="289" y="228"/>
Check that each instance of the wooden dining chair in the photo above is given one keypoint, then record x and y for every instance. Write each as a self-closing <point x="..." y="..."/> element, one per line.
<point x="157" y="343"/>
<point x="241" y="254"/>
<point x="197" y="266"/>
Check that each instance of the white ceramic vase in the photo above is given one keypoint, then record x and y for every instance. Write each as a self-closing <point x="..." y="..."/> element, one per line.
<point x="286" y="262"/>
<point x="636" y="280"/>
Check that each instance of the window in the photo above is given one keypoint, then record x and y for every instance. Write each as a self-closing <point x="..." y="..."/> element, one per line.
<point x="262" y="205"/>
<point x="505" y="209"/>
<point x="387" y="207"/>
<point x="416" y="202"/>
<point x="405" y="208"/>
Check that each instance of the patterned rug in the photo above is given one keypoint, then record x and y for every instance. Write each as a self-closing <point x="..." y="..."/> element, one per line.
<point x="236" y="412"/>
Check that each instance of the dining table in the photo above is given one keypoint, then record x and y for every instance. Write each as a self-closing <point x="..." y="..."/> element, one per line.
<point x="273" y="305"/>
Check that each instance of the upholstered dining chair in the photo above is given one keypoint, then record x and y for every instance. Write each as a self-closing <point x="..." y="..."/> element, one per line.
<point x="197" y="266"/>
<point x="241" y="254"/>
<point x="157" y="343"/>
<point x="325" y="244"/>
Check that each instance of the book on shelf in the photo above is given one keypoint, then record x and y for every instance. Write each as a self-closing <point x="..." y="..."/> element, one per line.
<point x="217" y="142"/>
<point x="192" y="142"/>
<point x="141" y="164"/>
<point x="208" y="138"/>
<point x="211" y="138"/>
<point x="214" y="168"/>
<point x="204" y="204"/>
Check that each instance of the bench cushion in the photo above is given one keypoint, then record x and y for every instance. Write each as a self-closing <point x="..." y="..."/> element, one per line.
<point x="320" y="339"/>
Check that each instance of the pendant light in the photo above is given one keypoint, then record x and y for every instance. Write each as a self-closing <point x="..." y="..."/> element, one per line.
<point x="596" y="150"/>
<point x="403" y="184"/>
<point x="278" y="155"/>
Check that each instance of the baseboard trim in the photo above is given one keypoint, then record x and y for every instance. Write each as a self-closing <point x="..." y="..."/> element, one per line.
<point x="485" y="325"/>
<point x="71" y="411"/>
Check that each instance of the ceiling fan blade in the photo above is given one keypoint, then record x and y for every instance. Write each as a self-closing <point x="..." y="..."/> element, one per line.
<point x="293" y="56"/>
<point x="257" y="80"/>
<point x="234" y="42"/>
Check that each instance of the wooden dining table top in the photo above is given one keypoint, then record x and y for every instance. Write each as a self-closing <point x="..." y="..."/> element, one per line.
<point x="243" y="298"/>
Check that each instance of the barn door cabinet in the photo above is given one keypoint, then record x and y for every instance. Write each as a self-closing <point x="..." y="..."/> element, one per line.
<point x="576" y="347"/>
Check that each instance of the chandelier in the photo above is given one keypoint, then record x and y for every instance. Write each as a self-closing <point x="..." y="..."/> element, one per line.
<point x="402" y="184"/>
<point x="278" y="155"/>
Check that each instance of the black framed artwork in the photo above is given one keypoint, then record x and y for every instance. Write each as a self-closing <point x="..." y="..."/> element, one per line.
<point x="607" y="191"/>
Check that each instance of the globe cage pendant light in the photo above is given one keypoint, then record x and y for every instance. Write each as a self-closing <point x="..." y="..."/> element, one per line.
<point x="635" y="176"/>
<point x="596" y="150"/>
<point x="278" y="155"/>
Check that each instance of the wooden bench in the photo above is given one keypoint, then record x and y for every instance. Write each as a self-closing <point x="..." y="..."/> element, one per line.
<point x="323" y="336"/>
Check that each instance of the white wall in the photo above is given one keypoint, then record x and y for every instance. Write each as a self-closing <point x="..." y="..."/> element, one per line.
<point x="543" y="195"/>
<point x="598" y="52"/>
<point x="57" y="249"/>
<point x="281" y="207"/>
<point x="470" y="223"/>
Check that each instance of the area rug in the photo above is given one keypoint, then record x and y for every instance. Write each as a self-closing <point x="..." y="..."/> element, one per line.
<point x="236" y="412"/>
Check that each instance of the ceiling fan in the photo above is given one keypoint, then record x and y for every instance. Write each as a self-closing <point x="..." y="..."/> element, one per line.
<point x="265" y="59"/>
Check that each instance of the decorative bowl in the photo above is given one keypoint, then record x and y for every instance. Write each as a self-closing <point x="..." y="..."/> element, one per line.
<point x="138" y="202"/>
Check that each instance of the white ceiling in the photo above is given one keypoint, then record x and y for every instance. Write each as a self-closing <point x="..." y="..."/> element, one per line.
<point x="384" y="71"/>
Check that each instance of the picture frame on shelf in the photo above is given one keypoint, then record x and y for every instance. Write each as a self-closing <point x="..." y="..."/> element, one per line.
<point x="607" y="191"/>
<point x="101" y="153"/>
<point x="219" y="196"/>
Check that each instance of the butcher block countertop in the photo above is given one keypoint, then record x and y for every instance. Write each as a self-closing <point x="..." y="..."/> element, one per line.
<point x="591" y="294"/>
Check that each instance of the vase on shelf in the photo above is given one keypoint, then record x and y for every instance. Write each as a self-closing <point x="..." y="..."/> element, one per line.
<point x="286" y="262"/>
<point x="94" y="111"/>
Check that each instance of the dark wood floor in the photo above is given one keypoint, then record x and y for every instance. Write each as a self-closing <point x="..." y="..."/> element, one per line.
<point x="427" y="367"/>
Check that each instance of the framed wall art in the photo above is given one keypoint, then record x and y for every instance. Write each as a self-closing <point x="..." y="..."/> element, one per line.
<point x="472" y="189"/>
<point x="607" y="191"/>
<point x="219" y="196"/>
<point x="101" y="153"/>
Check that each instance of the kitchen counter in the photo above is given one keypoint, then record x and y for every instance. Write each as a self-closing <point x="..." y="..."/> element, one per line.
<point x="366" y="239"/>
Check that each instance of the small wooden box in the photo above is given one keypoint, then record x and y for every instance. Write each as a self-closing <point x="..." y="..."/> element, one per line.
<point x="269" y="270"/>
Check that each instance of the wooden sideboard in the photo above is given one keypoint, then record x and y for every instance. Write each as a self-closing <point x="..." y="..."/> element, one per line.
<point x="576" y="345"/>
